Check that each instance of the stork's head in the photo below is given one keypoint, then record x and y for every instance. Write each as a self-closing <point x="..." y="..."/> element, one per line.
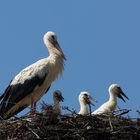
<point x="57" y="96"/>
<point x="85" y="98"/>
<point x="50" y="40"/>
<point x="50" y="37"/>
<point x="116" y="90"/>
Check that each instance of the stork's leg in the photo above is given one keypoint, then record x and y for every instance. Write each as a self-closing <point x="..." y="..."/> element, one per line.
<point x="33" y="105"/>
<point x="34" y="108"/>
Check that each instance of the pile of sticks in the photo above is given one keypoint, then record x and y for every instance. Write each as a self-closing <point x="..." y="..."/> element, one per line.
<point x="50" y="126"/>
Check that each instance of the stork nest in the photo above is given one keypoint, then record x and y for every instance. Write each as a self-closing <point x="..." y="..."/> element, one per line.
<point x="50" y="126"/>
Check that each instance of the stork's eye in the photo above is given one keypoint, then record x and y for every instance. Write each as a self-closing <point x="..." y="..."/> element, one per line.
<point x="86" y="95"/>
<point x="56" y="93"/>
<point x="53" y="37"/>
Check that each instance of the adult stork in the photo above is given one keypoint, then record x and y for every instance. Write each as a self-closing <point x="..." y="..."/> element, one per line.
<point x="32" y="82"/>
<point x="84" y="99"/>
<point x="108" y="107"/>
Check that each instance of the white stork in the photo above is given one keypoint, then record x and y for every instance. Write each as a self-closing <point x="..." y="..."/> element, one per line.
<point x="108" y="107"/>
<point x="84" y="99"/>
<point x="55" y="108"/>
<point x="57" y="98"/>
<point x="32" y="82"/>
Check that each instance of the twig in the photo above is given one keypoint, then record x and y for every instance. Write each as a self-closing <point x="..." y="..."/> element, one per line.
<point x="89" y="108"/>
<point x="125" y="112"/>
<point x="121" y="112"/>
<point x="37" y="136"/>
<point x="66" y="108"/>
<point x="110" y="124"/>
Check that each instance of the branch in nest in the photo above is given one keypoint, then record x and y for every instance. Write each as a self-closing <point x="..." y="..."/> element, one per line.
<point x="121" y="112"/>
<point x="67" y="108"/>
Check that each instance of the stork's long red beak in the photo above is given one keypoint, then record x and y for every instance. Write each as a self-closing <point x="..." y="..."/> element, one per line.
<point x="56" y="44"/>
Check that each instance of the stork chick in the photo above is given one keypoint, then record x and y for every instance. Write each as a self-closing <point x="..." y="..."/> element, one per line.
<point x="108" y="107"/>
<point x="57" y="98"/>
<point x="84" y="99"/>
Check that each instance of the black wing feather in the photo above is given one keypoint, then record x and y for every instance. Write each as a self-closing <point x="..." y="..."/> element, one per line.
<point x="14" y="93"/>
<point x="47" y="89"/>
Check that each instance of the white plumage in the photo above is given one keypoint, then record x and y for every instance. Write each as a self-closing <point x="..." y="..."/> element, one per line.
<point x="32" y="82"/>
<point x="84" y="99"/>
<point x="55" y="108"/>
<point x="57" y="98"/>
<point x="108" y="107"/>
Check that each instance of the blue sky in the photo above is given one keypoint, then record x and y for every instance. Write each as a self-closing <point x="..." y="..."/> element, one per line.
<point x="101" y="40"/>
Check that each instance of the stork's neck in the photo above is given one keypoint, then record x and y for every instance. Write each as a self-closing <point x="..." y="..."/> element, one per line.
<point x="53" y="51"/>
<point x="56" y="101"/>
<point x="54" y="57"/>
<point x="112" y="97"/>
<point x="56" y="65"/>
<point x="57" y="109"/>
<point x="83" y="108"/>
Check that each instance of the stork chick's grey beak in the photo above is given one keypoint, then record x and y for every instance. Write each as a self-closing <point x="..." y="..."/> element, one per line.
<point x="89" y="100"/>
<point x="61" y="98"/>
<point x="121" y="96"/>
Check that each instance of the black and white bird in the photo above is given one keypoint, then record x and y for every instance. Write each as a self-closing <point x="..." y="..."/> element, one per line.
<point x="109" y="106"/>
<point x="84" y="99"/>
<point x="32" y="82"/>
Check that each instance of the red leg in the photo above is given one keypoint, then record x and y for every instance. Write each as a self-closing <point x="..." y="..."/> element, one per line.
<point x="33" y="106"/>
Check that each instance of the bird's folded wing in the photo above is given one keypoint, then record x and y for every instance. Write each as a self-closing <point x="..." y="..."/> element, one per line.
<point x="14" y="93"/>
